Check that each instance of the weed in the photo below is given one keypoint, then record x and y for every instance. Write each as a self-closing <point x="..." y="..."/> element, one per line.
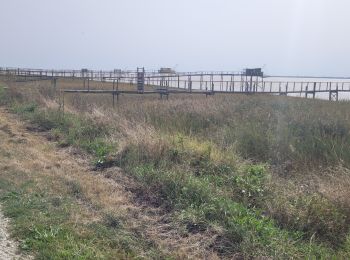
<point x="75" y="189"/>
<point x="250" y="187"/>
<point x="112" y="221"/>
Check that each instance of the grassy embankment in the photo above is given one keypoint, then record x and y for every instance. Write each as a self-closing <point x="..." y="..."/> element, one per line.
<point x="268" y="175"/>
<point x="56" y="212"/>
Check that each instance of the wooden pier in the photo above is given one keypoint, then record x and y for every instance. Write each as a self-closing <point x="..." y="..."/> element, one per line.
<point x="249" y="81"/>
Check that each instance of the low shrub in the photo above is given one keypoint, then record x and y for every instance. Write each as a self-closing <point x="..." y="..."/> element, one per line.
<point x="250" y="187"/>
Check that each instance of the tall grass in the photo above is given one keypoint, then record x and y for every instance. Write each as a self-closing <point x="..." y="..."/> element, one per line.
<point x="277" y="130"/>
<point x="202" y="188"/>
<point x="245" y="166"/>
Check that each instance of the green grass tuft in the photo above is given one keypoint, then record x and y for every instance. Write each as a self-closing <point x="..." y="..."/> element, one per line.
<point x="69" y="129"/>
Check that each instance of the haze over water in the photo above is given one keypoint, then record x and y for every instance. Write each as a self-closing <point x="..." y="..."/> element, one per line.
<point x="295" y="37"/>
<point x="271" y="83"/>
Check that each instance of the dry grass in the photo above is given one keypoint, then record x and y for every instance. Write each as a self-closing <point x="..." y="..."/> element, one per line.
<point x="304" y="143"/>
<point x="99" y="193"/>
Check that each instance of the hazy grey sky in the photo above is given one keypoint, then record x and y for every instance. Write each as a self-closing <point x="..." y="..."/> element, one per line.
<point x="285" y="36"/>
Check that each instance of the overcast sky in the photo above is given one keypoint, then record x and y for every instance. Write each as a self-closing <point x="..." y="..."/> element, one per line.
<point x="290" y="37"/>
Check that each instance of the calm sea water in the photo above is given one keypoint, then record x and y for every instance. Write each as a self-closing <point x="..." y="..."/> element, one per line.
<point x="224" y="83"/>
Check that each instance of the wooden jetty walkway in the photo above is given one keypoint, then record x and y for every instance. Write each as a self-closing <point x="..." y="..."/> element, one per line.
<point x="166" y="82"/>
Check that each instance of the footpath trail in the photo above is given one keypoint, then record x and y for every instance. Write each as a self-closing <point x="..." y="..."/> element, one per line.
<point x="8" y="247"/>
<point x="30" y="152"/>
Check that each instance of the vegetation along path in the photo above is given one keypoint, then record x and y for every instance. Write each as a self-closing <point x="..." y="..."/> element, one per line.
<point x="61" y="208"/>
<point x="8" y="247"/>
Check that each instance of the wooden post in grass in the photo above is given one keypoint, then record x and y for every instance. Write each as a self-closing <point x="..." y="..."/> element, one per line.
<point x="117" y="89"/>
<point x="113" y="93"/>
<point x="63" y="104"/>
<point x="53" y="82"/>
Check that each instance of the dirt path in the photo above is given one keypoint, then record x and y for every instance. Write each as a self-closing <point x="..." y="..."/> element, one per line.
<point x="112" y="189"/>
<point x="8" y="247"/>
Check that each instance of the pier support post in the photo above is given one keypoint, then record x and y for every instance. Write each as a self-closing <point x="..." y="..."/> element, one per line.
<point x="333" y="95"/>
<point x="314" y="92"/>
<point x="113" y="94"/>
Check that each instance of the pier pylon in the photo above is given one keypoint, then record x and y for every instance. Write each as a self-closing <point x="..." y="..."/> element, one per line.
<point x="140" y="80"/>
